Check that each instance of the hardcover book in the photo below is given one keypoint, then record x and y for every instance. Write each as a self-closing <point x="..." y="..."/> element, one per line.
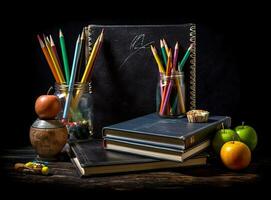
<point x="90" y="158"/>
<point x="153" y="130"/>
<point x="158" y="152"/>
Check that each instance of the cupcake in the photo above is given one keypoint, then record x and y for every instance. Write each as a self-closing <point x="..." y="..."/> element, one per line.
<point x="195" y="116"/>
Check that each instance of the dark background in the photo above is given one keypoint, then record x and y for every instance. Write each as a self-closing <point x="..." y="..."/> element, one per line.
<point x="232" y="41"/>
<point x="230" y="57"/>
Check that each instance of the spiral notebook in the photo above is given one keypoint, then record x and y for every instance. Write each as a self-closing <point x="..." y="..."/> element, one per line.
<point x="125" y="74"/>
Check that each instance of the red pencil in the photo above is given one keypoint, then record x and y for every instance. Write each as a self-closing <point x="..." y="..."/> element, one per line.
<point x="55" y="50"/>
<point x="175" y="58"/>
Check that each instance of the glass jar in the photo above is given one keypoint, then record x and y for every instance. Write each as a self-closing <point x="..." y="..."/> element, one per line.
<point x="170" y="98"/>
<point x="80" y="116"/>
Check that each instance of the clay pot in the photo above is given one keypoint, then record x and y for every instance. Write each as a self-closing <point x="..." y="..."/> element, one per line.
<point x="48" y="138"/>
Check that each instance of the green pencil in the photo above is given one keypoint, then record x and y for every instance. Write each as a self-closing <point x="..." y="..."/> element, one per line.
<point x="164" y="54"/>
<point x="186" y="55"/>
<point x="64" y="56"/>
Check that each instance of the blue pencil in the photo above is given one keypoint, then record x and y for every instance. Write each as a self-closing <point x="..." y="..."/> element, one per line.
<point x="72" y="78"/>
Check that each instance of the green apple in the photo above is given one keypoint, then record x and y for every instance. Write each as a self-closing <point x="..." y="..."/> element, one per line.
<point x="221" y="137"/>
<point x="247" y="135"/>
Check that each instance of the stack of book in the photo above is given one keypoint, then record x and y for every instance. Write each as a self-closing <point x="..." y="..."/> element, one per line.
<point x="146" y="143"/>
<point x="162" y="138"/>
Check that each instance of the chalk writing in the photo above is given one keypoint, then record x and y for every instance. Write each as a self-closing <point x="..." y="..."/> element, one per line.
<point x="136" y="45"/>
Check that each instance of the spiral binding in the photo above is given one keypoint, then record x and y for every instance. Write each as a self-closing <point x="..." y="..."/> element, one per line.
<point x="192" y="82"/>
<point x="89" y="41"/>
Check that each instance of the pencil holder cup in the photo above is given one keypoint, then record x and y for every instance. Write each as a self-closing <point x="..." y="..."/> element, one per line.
<point x="48" y="138"/>
<point x="80" y="117"/>
<point x="170" y="95"/>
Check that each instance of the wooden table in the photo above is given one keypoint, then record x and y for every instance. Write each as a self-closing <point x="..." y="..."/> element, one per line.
<point x="64" y="176"/>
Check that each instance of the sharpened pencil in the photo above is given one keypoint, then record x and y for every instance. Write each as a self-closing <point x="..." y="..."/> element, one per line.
<point x="158" y="61"/>
<point x="64" y="56"/>
<point x="166" y="47"/>
<point x="183" y="61"/>
<point x="56" y="57"/>
<point x="47" y="43"/>
<point x="175" y="57"/>
<point x="72" y="79"/>
<point x="55" y="50"/>
<point x="91" y="59"/>
<point x="163" y="50"/>
<point x="48" y="59"/>
<point x="81" y="57"/>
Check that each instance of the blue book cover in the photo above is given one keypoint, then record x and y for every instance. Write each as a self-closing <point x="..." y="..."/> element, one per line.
<point x="165" y="132"/>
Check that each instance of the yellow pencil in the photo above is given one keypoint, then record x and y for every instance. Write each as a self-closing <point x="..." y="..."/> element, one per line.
<point x="54" y="61"/>
<point x="56" y="58"/>
<point x="158" y="61"/>
<point x="166" y="47"/>
<point x="88" y="67"/>
<point x="91" y="59"/>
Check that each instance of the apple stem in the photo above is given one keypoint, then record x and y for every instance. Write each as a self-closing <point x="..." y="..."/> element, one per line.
<point x="243" y="124"/>
<point x="49" y="90"/>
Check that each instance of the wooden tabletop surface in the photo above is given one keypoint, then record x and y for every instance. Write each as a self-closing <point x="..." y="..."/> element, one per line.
<point x="63" y="174"/>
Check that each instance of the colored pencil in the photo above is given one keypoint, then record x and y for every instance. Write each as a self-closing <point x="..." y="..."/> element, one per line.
<point x="48" y="59"/>
<point x="55" y="51"/>
<point x="165" y="97"/>
<point x="64" y="56"/>
<point x="72" y="78"/>
<point x="81" y="57"/>
<point x="186" y="55"/>
<point x="89" y="67"/>
<point x="158" y="61"/>
<point x="95" y="57"/>
<point x="56" y="57"/>
<point x="175" y="57"/>
<point x="165" y="90"/>
<point x="91" y="59"/>
<point x="180" y="97"/>
<point x="47" y="43"/>
<point x="169" y="63"/>
<point x="166" y="47"/>
<point x="163" y="50"/>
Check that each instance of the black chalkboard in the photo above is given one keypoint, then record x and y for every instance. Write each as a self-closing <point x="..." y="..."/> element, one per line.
<point x="125" y="75"/>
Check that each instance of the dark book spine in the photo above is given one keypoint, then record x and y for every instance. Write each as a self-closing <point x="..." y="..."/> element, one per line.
<point x="104" y="144"/>
<point x="206" y="133"/>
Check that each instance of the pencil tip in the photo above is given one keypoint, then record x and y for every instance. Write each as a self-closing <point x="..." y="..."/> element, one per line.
<point x="60" y="33"/>
<point x="38" y="36"/>
<point x="82" y="35"/>
<point x="161" y="43"/>
<point x="51" y="40"/>
<point x="78" y="38"/>
<point x="40" y="41"/>
<point x="102" y="35"/>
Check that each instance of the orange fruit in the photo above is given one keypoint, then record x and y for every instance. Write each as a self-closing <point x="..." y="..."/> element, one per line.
<point x="235" y="155"/>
